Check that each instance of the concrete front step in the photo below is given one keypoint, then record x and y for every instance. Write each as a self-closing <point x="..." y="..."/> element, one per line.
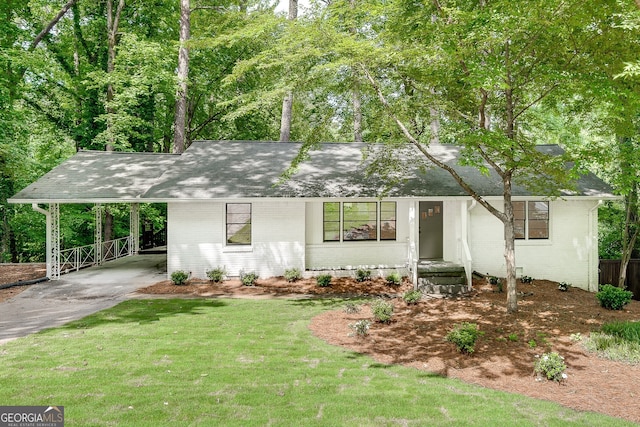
<point x="449" y="290"/>
<point x="442" y="278"/>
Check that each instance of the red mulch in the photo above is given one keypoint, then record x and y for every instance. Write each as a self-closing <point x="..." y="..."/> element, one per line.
<point x="415" y="337"/>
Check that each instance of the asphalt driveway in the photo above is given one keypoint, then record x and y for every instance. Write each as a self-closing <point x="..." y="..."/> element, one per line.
<point x="78" y="294"/>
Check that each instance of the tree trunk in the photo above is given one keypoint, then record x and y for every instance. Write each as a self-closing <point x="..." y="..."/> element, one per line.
<point x="630" y="234"/>
<point x="510" y="248"/>
<point x="287" y="102"/>
<point x="180" y="131"/>
<point x="357" y="115"/>
<point x="113" y="21"/>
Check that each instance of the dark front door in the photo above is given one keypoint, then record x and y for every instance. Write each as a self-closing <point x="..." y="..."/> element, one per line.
<point x="431" y="227"/>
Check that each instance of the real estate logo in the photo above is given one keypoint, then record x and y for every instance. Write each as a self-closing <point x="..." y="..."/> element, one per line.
<point x="31" y="416"/>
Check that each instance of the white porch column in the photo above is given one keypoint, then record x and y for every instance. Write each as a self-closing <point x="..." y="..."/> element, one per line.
<point x="54" y="210"/>
<point x="413" y="253"/>
<point x="98" y="234"/>
<point x="134" y="229"/>
<point x="52" y="253"/>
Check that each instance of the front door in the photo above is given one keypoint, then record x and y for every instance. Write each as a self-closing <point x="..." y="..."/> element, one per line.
<point x="431" y="230"/>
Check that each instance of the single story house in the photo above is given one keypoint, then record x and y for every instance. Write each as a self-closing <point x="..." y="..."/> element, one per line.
<point x="229" y="206"/>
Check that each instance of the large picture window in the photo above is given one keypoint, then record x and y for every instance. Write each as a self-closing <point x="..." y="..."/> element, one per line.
<point x="238" y="223"/>
<point x="531" y="220"/>
<point x="358" y="221"/>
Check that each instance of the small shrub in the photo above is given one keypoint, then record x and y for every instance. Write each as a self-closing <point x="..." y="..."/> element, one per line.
<point x="613" y="298"/>
<point x="394" y="278"/>
<point x="563" y="286"/>
<point x="361" y="327"/>
<point x="292" y="274"/>
<point x="532" y="344"/>
<point x="526" y="279"/>
<point x="248" y="279"/>
<point x="577" y="337"/>
<point x="216" y="275"/>
<point x="513" y="337"/>
<point x="550" y="366"/>
<point x="382" y="310"/>
<point x="363" y="275"/>
<point x="179" y="277"/>
<point x="412" y="296"/>
<point x="324" y="280"/>
<point x="351" y="308"/>
<point x="464" y="335"/>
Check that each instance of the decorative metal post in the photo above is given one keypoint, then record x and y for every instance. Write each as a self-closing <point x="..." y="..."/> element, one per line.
<point x="98" y="234"/>
<point x="54" y="214"/>
<point x="134" y="229"/>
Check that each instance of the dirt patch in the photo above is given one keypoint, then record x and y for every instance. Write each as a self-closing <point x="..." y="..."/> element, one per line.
<point x="505" y="354"/>
<point x="13" y="273"/>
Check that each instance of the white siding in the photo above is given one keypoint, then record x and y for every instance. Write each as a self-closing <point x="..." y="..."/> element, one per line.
<point x="335" y="255"/>
<point x="568" y="254"/>
<point x="196" y="239"/>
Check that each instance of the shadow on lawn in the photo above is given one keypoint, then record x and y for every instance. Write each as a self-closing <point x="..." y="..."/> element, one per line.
<point x="145" y="311"/>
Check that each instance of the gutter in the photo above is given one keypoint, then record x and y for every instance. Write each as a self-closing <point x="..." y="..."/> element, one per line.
<point x="591" y="251"/>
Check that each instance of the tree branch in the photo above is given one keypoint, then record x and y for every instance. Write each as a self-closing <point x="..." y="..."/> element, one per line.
<point x="498" y="214"/>
<point x="51" y="24"/>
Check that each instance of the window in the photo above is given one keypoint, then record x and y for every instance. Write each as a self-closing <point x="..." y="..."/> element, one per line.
<point x="531" y="220"/>
<point x="388" y="221"/>
<point x="357" y="221"/>
<point x="331" y="220"/>
<point x="238" y="223"/>
<point x="360" y="221"/>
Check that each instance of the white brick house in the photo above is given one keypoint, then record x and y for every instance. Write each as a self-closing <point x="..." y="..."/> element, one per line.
<point x="228" y="206"/>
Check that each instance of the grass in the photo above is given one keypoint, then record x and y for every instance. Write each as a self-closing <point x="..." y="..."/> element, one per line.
<point x="618" y="341"/>
<point x="200" y="362"/>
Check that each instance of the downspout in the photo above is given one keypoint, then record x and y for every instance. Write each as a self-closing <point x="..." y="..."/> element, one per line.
<point x="465" y="245"/>
<point x="47" y="215"/>
<point x="593" y="225"/>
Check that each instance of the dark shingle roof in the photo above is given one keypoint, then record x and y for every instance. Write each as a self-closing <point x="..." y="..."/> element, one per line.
<point x="97" y="176"/>
<point x="235" y="169"/>
<point x="240" y="169"/>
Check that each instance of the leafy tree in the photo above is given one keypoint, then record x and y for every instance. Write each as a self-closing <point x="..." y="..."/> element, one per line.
<point x="481" y="68"/>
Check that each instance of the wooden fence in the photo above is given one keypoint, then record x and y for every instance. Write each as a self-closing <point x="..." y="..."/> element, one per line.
<point x="610" y="272"/>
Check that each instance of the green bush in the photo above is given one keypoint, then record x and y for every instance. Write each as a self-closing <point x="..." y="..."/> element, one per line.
<point x="551" y="366"/>
<point x="628" y="331"/>
<point x="613" y="298"/>
<point x="412" y="296"/>
<point x="351" y="308"/>
<point x="292" y="274"/>
<point x="464" y="335"/>
<point x="362" y="275"/>
<point x="216" y="275"/>
<point x="248" y="279"/>
<point x="382" y="310"/>
<point x="179" y="277"/>
<point x="394" y="278"/>
<point x="361" y="327"/>
<point x="324" y="280"/>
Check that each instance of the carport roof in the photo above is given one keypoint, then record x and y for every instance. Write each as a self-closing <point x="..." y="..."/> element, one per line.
<point x="249" y="169"/>
<point x="97" y="177"/>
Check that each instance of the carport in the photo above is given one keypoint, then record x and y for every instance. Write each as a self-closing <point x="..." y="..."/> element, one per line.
<point x="98" y="178"/>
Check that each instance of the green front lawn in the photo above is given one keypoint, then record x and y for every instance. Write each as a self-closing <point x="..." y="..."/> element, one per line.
<point x="240" y="362"/>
